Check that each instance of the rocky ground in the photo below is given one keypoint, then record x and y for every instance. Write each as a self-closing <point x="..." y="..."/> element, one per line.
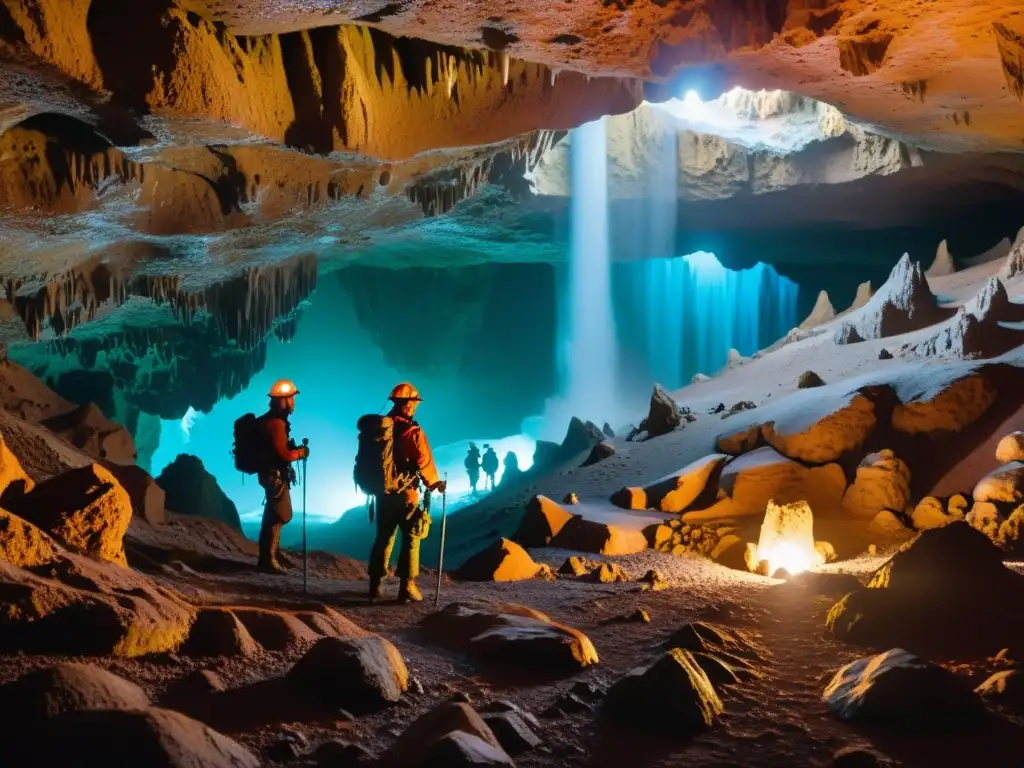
<point x="616" y="636"/>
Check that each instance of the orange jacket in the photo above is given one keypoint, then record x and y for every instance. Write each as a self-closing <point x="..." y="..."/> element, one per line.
<point x="415" y="450"/>
<point x="277" y="432"/>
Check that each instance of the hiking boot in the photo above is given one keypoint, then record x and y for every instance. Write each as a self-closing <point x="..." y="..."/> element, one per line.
<point x="409" y="592"/>
<point x="272" y="567"/>
<point x="376" y="592"/>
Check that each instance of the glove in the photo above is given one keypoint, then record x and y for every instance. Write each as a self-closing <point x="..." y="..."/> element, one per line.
<point x="304" y="452"/>
<point x="441" y="486"/>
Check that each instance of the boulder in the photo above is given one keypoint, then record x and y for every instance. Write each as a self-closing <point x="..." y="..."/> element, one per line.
<point x="884" y="354"/>
<point x="14" y="482"/>
<point x="147" y="498"/>
<point x="763" y="475"/>
<point x="984" y="517"/>
<point x="930" y="513"/>
<point x="191" y="490"/>
<point x="459" y="749"/>
<point x="582" y="535"/>
<point x="1005" y="484"/>
<point x="847" y="333"/>
<point x="714" y="639"/>
<point x="898" y="688"/>
<point x="275" y="630"/>
<point x="608" y="431"/>
<point x="598" y="453"/>
<point x="947" y="409"/>
<point x="882" y="482"/>
<point x="607" y="573"/>
<point x="1011" y="532"/>
<point x="630" y="498"/>
<point x="53" y="691"/>
<point x="512" y="731"/>
<point x="24" y="545"/>
<point x="699" y="378"/>
<point x="502" y="560"/>
<point x="580" y="437"/>
<point x="329" y="623"/>
<point x="1011" y="448"/>
<point x="826" y="551"/>
<point x="677" y="491"/>
<point x="1005" y="688"/>
<point x="571" y="499"/>
<point x="658" y="536"/>
<point x="86" y="607"/>
<point x="945" y="592"/>
<point x="218" y="632"/>
<point x="820" y="432"/>
<point x="361" y="675"/>
<point x="737" y="443"/>
<point x="808" y="380"/>
<point x="664" y="415"/>
<point x="511" y="634"/>
<point x="85" y="509"/>
<point x="451" y="717"/>
<point x="541" y="522"/>
<point x="193" y="685"/>
<point x="125" y="739"/>
<point x="577" y="566"/>
<point x="673" y="693"/>
<point x="957" y="505"/>
<point x="94" y="434"/>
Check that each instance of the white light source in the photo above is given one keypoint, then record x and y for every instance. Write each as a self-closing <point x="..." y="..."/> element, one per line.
<point x="691" y="99"/>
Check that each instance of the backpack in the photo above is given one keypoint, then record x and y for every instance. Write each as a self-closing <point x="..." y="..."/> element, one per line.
<point x="375" y="472"/>
<point x="248" y="441"/>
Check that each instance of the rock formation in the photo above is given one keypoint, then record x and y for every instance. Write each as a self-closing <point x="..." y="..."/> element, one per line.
<point x="822" y="313"/>
<point x="191" y="490"/>
<point x="943" y="263"/>
<point x="904" y="303"/>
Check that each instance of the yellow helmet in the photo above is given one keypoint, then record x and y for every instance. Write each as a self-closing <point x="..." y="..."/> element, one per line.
<point x="283" y="388"/>
<point x="404" y="391"/>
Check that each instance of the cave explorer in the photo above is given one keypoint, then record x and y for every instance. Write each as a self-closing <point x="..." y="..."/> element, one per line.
<point x="490" y="466"/>
<point x="472" y="464"/>
<point x="276" y="475"/>
<point x="398" y="506"/>
<point x="512" y="470"/>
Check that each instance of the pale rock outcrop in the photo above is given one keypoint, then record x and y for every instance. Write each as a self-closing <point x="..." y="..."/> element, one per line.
<point x="904" y="303"/>
<point x="502" y="560"/>
<point x="541" y="522"/>
<point x="823" y="312"/>
<point x="1011" y="448"/>
<point x="676" y="492"/>
<point x="948" y="409"/>
<point x="699" y="378"/>
<point x="943" y="263"/>
<point x="86" y="509"/>
<point x="882" y="483"/>
<point x="930" y="513"/>
<point x="511" y="635"/>
<point x="764" y="475"/>
<point x="861" y="297"/>
<point x="1014" y="266"/>
<point x="829" y="437"/>
<point x="1002" y="485"/>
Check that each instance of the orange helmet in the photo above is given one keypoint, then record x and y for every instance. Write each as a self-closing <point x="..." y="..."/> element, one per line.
<point x="404" y="391"/>
<point x="283" y="388"/>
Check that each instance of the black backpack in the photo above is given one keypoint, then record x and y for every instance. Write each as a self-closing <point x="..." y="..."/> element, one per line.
<point x="248" y="443"/>
<point x="375" y="471"/>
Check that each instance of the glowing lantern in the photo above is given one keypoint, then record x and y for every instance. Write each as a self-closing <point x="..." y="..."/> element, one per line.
<point x="786" y="541"/>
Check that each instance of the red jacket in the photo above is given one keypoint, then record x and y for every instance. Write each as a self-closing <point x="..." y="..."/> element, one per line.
<point x="415" y="450"/>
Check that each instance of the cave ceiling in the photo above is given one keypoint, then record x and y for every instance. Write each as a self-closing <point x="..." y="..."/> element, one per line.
<point x="184" y="153"/>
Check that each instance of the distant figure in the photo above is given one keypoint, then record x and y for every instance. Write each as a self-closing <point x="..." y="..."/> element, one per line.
<point x="512" y="470"/>
<point x="490" y="466"/>
<point x="472" y="463"/>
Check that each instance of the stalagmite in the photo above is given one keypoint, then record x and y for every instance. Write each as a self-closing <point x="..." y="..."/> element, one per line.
<point x="943" y="264"/>
<point x="503" y="60"/>
<point x="862" y="297"/>
<point x="823" y="312"/>
<point x="554" y="74"/>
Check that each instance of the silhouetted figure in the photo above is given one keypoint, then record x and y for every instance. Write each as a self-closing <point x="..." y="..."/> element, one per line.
<point x="512" y="471"/>
<point x="490" y="466"/>
<point x="472" y="463"/>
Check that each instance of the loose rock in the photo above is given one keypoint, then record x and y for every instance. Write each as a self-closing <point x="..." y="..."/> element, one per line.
<point x="512" y="732"/>
<point x="218" y="632"/>
<point x="1005" y="484"/>
<point x="1011" y="448"/>
<point x="361" y="675"/>
<point x="1005" y="688"/>
<point x="541" y="522"/>
<point x="809" y="379"/>
<point x="503" y="560"/>
<point x="882" y="482"/>
<point x="598" y="453"/>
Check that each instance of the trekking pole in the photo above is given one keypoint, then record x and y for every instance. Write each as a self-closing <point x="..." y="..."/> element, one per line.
<point x="305" y="558"/>
<point x="440" y="556"/>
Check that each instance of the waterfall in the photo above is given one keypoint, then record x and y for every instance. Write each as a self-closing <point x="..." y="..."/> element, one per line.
<point x="683" y="315"/>
<point x="587" y="334"/>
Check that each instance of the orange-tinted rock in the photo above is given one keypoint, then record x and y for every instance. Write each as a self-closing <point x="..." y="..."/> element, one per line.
<point x="85" y="509"/>
<point x="90" y="431"/>
<point x="584" y="535"/>
<point x="953" y="407"/>
<point x="23" y="544"/>
<point x="829" y="437"/>
<point x="218" y="632"/>
<point x="275" y="630"/>
<point x="630" y="498"/>
<point x="882" y="482"/>
<point x="541" y="522"/>
<point x="1002" y="485"/>
<point x="737" y="443"/>
<point x="502" y="560"/>
<point x="362" y="674"/>
<point x="676" y="492"/>
<point x="13" y="479"/>
<point x="146" y="496"/>
<point x="754" y="479"/>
